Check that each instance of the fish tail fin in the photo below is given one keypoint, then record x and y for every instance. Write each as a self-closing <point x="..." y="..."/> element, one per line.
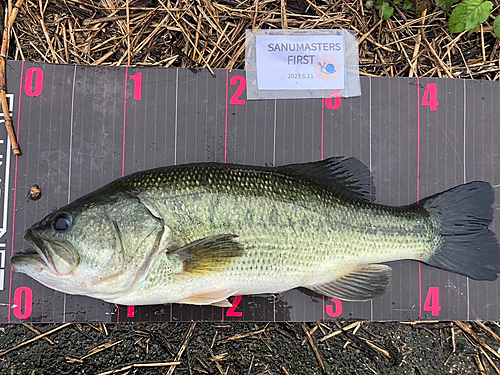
<point x="467" y="246"/>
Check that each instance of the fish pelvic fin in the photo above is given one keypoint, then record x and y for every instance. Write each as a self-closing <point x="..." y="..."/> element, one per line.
<point x="348" y="174"/>
<point x="216" y="298"/>
<point x="364" y="283"/>
<point x="466" y="245"/>
<point x="209" y="254"/>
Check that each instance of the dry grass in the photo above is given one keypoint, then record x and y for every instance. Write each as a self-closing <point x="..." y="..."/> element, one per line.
<point x="210" y="34"/>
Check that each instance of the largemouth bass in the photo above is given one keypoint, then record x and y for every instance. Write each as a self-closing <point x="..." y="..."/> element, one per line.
<point x="200" y="233"/>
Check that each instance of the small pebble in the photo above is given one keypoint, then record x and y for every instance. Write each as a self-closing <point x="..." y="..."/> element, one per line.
<point x="34" y="193"/>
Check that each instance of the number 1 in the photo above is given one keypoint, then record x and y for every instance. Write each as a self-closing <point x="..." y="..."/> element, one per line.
<point x="130" y="311"/>
<point x="137" y="78"/>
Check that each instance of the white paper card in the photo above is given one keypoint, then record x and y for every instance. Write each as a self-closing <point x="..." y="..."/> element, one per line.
<point x="310" y="62"/>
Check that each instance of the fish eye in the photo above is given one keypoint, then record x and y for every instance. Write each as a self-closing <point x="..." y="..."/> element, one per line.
<point x="62" y="221"/>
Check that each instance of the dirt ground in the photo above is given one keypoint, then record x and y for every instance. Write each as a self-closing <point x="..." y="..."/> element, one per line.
<point x="246" y="348"/>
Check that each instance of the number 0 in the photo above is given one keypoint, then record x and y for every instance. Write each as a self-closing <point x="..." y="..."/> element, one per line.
<point x="23" y="302"/>
<point x="28" y="83"/>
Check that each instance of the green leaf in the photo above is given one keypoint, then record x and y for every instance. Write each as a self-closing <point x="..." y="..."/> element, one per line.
<point x="397" y="1"/>
<point x="445" y="4"/>
<point x="386" y="11"/>
<point x="379" y="3"/>
<point x="496" y="26"/>
<point x="469" y="15"/>
<point x="408" y="5"/>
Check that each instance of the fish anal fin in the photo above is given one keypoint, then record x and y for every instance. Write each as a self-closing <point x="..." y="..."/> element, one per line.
<point x="210" y="254"/>
<point x="215" y="298"/>
<point x="348" y="174"/>
<point x="362" y="284"/>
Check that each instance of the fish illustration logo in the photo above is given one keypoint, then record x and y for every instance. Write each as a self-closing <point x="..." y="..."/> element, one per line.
<point x="326" y="67"/>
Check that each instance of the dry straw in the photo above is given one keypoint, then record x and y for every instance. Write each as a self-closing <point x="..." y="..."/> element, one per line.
<point x="210" y="34"/>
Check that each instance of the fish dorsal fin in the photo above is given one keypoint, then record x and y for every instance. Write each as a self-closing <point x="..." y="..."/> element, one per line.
<point x="209" y="254"/>
<point x="349" y="174"/>
<point x="363" y="284"/>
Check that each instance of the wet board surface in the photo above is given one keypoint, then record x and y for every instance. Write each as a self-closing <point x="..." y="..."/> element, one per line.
<point x="81" y="127"/>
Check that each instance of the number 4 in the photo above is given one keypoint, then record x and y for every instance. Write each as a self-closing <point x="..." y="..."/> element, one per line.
<point x="432" y="301"/>
<point x="430" y="97"/>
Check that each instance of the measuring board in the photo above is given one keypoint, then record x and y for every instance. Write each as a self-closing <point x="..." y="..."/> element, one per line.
<point x="81" y="127"/>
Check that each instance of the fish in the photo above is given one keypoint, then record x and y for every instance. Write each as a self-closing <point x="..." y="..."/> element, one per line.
<point x="203" y="232"/>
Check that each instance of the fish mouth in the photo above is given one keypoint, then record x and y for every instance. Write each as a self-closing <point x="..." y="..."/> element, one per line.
<point x="39" y="252"/>
<point x="27" y="261"/>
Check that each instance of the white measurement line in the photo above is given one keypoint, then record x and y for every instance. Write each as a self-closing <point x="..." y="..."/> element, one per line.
<point x="274" y="131"/>
<point x="3" y="247"/>
<point x="274" y="165"/>
<point x="3" y="230"/>
<point x="69" y="169"/>
<point x="176" y="108"/>
<point x="370" y="80"/>
<point x="71" y="135"/>
<point x="465" y="181"/>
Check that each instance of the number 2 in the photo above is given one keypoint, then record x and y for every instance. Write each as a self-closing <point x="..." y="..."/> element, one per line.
<point x="137" y="78"/>
<point x="430" y="96"/>
<point x="235" y="99"/>
<point x="231" y="312"/>
<point x="23" y="302"/>
<point x="432" y="301"/>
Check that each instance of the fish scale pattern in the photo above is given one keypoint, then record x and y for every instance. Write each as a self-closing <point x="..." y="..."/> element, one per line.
<point x="295" y="230"/>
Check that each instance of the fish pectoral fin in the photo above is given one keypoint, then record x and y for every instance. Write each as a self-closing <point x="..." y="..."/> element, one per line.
<point x="216" y="298"/>
<point x="209" y="254"/>
<point x="362" y="284"/>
